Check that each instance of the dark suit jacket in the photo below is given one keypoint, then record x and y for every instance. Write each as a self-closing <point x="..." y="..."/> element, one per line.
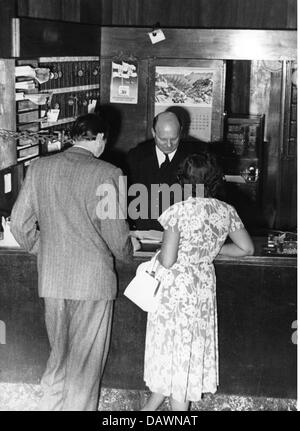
<point x="75" y="249"/>
<point x="143" y="168"/>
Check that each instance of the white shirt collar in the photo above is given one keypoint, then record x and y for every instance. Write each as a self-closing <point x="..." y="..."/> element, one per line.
<point x="81" y="146"/>
<point x="161" y="156"/>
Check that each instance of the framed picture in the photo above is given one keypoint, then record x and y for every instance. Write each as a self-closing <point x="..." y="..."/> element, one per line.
<point x="124" y="82"/>
<point x="194" y="91"/>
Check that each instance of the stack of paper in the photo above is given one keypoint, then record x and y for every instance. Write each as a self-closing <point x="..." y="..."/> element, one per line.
<point x="25" y="85"/>
<point x="148" y="236"/>
<point x="235" y="179"/>
<point x="20" y="96"/>
<point x="41" y="74"/>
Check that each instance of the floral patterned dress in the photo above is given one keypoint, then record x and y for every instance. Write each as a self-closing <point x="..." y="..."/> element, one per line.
<point x="181" y="355"/>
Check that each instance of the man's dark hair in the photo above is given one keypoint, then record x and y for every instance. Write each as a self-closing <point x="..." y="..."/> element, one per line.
<point x="203" y="169"/>
<point x="88" y="126"/>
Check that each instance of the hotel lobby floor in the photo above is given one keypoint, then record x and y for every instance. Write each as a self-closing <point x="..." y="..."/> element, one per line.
<point x="24" y="397"/>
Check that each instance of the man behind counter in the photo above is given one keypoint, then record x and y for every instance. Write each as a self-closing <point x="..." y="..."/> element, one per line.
<point x="157" y="161"/>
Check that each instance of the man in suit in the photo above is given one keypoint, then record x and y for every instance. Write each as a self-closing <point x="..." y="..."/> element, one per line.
<point x="56" y="217"/>
<point x="157" y="162"/>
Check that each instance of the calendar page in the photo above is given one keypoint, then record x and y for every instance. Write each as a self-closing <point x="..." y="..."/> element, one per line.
<point x="190" y="88"/>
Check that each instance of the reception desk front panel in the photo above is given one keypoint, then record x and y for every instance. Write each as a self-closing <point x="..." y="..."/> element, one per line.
<point x="257" y="311"/>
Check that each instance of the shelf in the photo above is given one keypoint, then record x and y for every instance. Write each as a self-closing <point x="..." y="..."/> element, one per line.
<point x="57" y="123"/>
<point x="30" y="160"/>
<point x="32" y="156"/>
<point x="23" y="147"/>
<point x="67" y="59"/>
<point x="25" y="111"/>
<point x="71" y="89"/>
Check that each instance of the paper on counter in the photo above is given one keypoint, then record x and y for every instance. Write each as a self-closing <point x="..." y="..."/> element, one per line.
<point x="154" y="236"/>
<point x="235" y="179"/>
<point x="136" y="244"/>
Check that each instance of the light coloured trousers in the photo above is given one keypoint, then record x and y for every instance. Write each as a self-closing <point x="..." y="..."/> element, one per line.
<point x="79" y="335"/>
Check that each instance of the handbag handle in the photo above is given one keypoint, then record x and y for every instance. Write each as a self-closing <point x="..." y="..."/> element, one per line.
<point x="152" y="269"/>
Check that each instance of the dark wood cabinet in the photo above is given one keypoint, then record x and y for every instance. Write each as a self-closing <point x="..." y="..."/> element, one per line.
<point x="7" y="12"/>
<point x="257" y="309"/>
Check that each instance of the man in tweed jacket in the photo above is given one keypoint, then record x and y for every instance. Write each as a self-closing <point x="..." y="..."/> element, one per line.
<point x="56" y="217"/>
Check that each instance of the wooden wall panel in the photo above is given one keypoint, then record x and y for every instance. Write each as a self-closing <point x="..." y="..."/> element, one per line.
<point x="91" y="11"/>
<point x="71" y="10"/>
<point x="271" y="153"/>
<point x="287" y="177"/>
<point x="238" y="87"/>
<point x="267" y="14"/>
<point x="48" y="38"/>
<point x="66" y="10"/>
<point x="287" y="205"/>
<point x="291" y="14"/>
<point x="172" y="12"/>
<point x="23" y="8"/>
<point x="128" y="12"/>
<point x="259" y="14"/>
<point x="199" y="43"/>
<point x="40" y="9"/>
<point x="7" y="11"/>
<point x="106" y="10"/>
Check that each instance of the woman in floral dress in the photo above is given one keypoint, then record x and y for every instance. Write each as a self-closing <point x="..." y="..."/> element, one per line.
<point x="181" y="356"/>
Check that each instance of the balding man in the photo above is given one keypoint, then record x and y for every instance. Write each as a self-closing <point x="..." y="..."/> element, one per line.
<point x="157" y="162"/>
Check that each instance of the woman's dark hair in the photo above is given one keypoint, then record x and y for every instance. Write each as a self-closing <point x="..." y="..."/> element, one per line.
<point x="203" y="169"/>
<point x="88" y="126"/>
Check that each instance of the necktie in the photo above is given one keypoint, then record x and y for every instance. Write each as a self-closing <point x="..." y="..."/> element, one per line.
<point x="165" y="163"/>
<point x="163" y="179"/>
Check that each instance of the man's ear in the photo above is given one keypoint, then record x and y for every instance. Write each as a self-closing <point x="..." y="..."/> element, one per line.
<point x="100" y="137"/>
<point x="101" y="141"/>
<point x="153" y="132"/>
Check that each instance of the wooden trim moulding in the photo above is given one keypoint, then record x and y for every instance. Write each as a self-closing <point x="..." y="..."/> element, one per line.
<point x="228" y="44"/>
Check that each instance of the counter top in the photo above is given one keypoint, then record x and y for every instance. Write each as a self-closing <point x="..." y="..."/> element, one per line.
<point x="257" y="259"/>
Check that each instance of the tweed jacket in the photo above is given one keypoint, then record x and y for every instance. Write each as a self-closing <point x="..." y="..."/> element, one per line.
<point x="55" y="218"/>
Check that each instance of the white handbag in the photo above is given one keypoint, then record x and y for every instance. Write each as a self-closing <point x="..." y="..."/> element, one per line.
<point x="144" y="287"/>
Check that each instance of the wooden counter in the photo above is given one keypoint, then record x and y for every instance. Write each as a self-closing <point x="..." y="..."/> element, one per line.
<point x="257" y="305"/>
